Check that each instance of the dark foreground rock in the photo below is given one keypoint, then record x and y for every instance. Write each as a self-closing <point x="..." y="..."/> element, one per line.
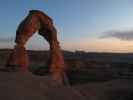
<point x="25" y="86"/>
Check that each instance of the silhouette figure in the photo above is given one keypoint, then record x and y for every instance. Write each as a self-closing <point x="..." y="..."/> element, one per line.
<point x="37" y="21"/>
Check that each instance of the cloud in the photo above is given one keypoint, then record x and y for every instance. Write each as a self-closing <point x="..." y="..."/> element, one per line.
<point x="6" y="39"/>
<point x="122" y="35"/>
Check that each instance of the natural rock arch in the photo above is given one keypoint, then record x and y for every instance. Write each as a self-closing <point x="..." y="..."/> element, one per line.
<point x="37" y="21"/>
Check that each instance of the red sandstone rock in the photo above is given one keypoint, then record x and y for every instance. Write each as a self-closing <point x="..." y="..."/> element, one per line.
<point x="38" y="21"/>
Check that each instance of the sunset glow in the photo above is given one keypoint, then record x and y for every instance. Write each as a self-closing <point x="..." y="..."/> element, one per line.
<point x="80" y="24"/>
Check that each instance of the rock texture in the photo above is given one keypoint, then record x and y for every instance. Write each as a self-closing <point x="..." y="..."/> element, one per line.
<point x="25" y="86"/>
<point x="37" y="21"/>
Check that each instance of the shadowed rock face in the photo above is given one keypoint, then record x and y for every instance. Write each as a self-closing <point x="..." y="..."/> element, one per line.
<point x="37" y="21"/>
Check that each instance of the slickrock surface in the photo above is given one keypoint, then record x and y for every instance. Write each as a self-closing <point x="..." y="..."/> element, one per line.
<point x="25" y="86"/>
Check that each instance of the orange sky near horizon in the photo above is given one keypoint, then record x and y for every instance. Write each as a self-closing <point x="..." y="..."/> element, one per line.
<point x="80" y="24"/>
<point x="101" y="45"/>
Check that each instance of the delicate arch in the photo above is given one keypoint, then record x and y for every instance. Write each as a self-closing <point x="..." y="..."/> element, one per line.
<point x="37" y="21"/>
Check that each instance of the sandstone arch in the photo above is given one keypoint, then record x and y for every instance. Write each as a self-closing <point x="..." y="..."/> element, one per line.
<point x="37" y="21"/>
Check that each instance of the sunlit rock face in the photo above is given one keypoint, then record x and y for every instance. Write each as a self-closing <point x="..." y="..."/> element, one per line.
<point x="38" y="21"/>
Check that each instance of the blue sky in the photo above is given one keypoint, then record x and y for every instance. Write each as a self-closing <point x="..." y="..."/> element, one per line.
<point x="80" y="23"/>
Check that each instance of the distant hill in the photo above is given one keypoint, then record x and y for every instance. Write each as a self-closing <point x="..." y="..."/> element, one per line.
<point x="77" y="55"/>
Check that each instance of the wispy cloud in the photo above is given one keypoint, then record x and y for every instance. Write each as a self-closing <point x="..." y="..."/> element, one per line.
<point x="122" y="35"/>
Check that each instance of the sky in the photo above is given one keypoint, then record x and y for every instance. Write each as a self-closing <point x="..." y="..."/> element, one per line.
<point x="87" y="25"/>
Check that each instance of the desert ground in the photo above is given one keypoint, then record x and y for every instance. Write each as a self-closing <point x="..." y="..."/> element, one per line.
<point x="92" y="76"/>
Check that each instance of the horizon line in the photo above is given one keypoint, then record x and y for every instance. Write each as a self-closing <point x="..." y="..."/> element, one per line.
<point x="73" y="51"/>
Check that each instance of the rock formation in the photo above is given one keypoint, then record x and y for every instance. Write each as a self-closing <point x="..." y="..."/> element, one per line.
<point x="37" y="21"/>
